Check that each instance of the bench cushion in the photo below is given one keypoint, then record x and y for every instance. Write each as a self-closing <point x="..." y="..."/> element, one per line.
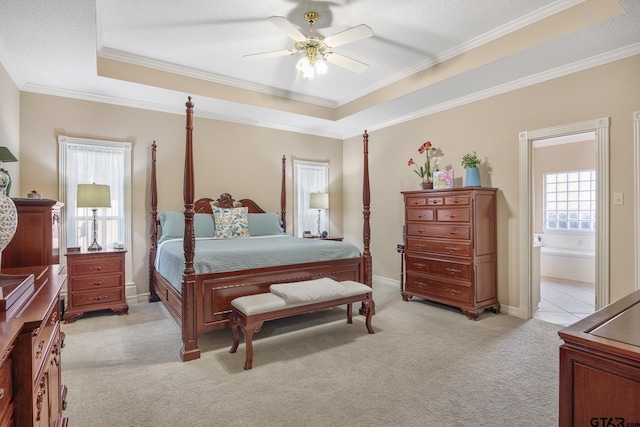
<point x="258" y="303"/>
<point x="309" y="291"/>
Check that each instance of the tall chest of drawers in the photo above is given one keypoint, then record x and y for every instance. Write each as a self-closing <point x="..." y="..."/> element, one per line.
<point x="450" y="248"/>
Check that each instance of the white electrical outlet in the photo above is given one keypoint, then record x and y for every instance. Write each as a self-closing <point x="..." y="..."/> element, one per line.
<point x="618" y="199"/>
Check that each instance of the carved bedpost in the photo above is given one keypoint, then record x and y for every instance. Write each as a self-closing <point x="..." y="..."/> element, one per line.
<point x="190" y="348"/>
<point x="366" y="200"/>
<point x="153" y="296"/>
<point x="283" y="194"/>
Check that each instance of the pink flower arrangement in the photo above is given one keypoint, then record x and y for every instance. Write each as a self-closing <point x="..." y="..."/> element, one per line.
<point x="423" y="172"/>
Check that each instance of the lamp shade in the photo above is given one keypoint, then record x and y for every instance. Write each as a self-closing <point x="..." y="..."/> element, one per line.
<point x="6" y="155"/>
<point x="319" y="201"/>
<point x="93" y="196"/>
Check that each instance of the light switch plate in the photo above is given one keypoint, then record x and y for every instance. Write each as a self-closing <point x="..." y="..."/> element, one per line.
<point x="618" y="199"/>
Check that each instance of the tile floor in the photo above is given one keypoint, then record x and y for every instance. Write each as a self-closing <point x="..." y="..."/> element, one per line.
<point x="565" y="302"/>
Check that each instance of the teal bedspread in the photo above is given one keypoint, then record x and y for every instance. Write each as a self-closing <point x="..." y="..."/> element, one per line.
<point x="219" y="255"/>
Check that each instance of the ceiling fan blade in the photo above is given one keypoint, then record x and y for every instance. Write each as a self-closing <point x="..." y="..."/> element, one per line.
<point x="359" y="32"/>
<point x="286" y="26"/>
<point x="270" y="54"/>
<point x="346" y="62"/>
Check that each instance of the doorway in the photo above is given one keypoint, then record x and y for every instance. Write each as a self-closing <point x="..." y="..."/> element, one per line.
<point x="600" y="128"/>
<point x="564" y="222"/>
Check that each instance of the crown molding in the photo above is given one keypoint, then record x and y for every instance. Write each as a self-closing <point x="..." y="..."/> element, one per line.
<point x="129" y="58"/>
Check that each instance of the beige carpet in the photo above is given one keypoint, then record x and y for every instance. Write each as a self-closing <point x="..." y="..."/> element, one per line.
<point x="426" y="365"/>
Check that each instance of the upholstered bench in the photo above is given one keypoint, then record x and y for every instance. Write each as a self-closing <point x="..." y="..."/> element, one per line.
<point x="289" y="299"/>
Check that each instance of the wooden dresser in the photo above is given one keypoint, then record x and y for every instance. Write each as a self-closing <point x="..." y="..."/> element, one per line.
<point x="31" y="391"/>
<point x="450" y="248"/>
<point x="600" y="367"/>
<point x="96" y="282"/>
<point x="37" y="238"/>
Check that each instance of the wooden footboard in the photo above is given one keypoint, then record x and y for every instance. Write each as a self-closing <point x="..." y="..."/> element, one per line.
<point x="215" y="291"/>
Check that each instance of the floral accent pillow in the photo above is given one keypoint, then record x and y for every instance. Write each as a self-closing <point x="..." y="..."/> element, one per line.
<point x="231" y="222"/>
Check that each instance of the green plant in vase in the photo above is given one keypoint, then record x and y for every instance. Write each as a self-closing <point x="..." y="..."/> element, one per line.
<point x="470" y="162"/>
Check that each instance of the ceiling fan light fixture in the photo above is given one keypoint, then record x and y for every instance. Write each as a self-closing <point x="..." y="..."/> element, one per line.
<point x="321" y="67"/>
<point x="306" y="68"/>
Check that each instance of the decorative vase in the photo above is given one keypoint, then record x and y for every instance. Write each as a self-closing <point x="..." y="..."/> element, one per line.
<point x="472" y="178"/>
<point x="426" y="185"/>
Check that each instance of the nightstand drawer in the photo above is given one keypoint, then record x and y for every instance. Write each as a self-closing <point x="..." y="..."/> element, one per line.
<point x="96" y="282"/>
<point x="100" y="265"/>
<point x="105" y="296"/>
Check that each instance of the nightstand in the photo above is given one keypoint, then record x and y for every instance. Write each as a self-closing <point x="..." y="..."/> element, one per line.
<point x="95" y="282"/>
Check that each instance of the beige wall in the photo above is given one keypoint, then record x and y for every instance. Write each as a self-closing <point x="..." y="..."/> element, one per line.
<point x="491" y="128"/>
<point x="10" y="125"/>
<point x="242" y="160"/>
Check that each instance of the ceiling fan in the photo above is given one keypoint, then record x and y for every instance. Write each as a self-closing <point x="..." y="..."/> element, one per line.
<point x="317" y="48"/>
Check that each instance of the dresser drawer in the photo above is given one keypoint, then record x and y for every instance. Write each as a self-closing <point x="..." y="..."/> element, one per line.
<point x="462" y="232"/>
<point x="457" y="200"/>
<point x="6" y="390"/>
<point x="427" y="285"/>
<point x="457" y="249"/>
<point x="97" y="281"/>
<point x="453" y="215"/>
<point x="452" y="270"/>
<point x="416" y="201"/>
<point x="43" y="338"/>
<point x="98" y="265"/>
<point x="419" y="214"/>
<point x="105" y="296"/>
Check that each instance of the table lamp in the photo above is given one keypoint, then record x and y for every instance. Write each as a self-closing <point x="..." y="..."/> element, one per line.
<point x="319" y="201"/>
<point x="94" y="196"/>
<point x="5" y="178"/>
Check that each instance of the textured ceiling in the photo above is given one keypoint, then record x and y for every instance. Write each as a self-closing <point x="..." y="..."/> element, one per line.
<point x="425" y="55"/>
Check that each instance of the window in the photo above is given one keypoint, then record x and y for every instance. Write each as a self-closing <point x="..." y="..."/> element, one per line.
<point x="309" y="177"/>
<point x="86" y="161"/>
<point x="570" y="201"/>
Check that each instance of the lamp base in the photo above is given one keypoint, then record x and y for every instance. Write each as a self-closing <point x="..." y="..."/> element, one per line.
<point x="94" y="247"/>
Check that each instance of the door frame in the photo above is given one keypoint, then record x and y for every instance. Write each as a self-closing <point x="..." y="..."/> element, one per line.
<point x="526" y="139"/>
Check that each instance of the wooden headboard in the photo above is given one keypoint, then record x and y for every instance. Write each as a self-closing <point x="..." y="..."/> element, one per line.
<point x="226" y="201"/>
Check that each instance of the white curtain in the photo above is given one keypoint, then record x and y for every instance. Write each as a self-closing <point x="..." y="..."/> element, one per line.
<point x="86" y="161"/>
<point x="309" y="177"/>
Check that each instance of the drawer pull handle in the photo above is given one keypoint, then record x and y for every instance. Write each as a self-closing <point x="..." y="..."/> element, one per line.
<point x="456" y="201"/>
<point x="420" y="231"/>
<point x="452" y="249"/>
<point x="97" y="283"/>
<point x="420" y="265"/>
<point x="99" y="298"/>
<point x="452" y="215"/>
<point x="98" y="268"/>
<point x="39" y="352"/>
<point x="420" y="245"/>
<point x="421" y="284"/>
<point x="454" y="291"/>
<point x="453" y="232"/>
<point x="453" y="271"/>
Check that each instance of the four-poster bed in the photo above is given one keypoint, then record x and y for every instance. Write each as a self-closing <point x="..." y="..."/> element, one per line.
<point x="199" y="300"/>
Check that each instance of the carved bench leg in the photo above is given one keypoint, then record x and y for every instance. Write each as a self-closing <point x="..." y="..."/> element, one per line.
<point x="235" y="324"/>
<point x="349" y="313"/>
<point x="369" y="305"/>
<point x="248" y="331"/>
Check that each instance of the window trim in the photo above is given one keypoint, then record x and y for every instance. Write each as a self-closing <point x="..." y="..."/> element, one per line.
<point x="63" y="142"/>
